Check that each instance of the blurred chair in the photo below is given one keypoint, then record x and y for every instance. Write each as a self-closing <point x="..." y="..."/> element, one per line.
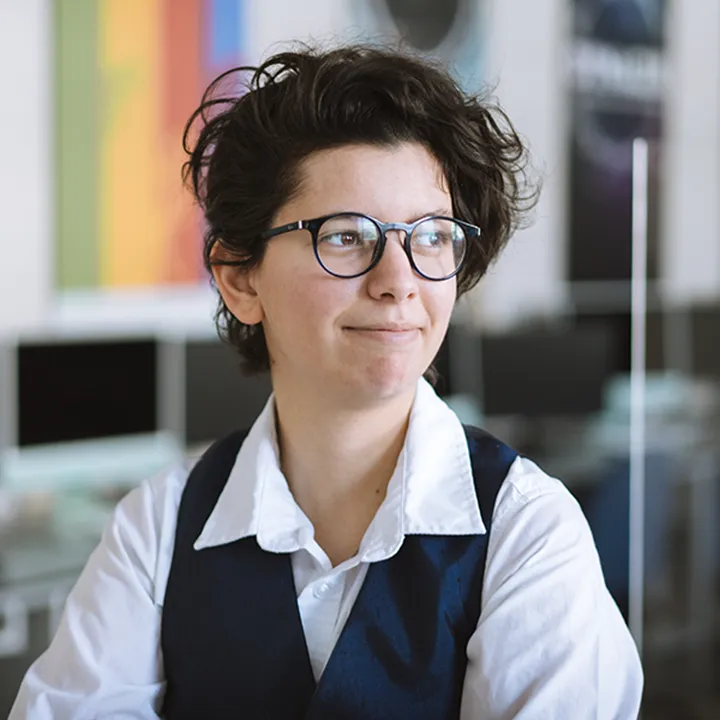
<point x="677" y="421"/>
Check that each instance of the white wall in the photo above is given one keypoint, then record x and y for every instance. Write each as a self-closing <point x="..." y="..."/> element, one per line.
<point x="275" y="21"/>
<point x="526" y="59"/>
<point x="690" y="250"/>
<point x="25" y="164"/>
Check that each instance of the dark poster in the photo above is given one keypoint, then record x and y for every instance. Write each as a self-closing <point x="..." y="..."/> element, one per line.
<point x="617" y="87"/>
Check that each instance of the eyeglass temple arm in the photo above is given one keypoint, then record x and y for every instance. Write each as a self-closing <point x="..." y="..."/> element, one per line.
<point x="299" y="225"/>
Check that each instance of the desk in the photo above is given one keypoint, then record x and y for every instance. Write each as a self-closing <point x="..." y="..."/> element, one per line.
<point x="37" y="570"/>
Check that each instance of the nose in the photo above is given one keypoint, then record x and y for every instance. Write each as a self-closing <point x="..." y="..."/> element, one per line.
<point x="393" y="277"/>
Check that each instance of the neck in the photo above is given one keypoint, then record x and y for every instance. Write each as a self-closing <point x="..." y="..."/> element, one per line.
<point x="338" y="461"/>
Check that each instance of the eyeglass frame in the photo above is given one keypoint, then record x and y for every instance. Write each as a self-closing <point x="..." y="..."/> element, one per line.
<point x="313" y="226"/>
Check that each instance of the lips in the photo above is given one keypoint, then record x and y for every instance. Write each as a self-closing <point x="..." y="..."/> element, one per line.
<point x="391" y="328"/>
<point x="386" y="335"/>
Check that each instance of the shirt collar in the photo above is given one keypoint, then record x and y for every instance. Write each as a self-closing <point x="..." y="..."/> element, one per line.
<point x="256" y="499"/>
<point x="431" y="492"/>
<point x="440" y="489"/>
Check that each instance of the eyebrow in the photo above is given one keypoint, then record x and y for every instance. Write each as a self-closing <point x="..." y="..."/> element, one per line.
<point x="443" y="212"/>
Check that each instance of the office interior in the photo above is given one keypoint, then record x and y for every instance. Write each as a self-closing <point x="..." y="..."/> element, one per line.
<point x="564" y="350"/>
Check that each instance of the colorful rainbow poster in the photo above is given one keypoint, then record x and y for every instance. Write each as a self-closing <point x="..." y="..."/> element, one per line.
<point x="129" y="74"/>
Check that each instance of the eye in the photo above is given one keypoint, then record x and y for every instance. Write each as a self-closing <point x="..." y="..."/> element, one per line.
<point x="431" y="238"/>
<point x="344" y="238"/>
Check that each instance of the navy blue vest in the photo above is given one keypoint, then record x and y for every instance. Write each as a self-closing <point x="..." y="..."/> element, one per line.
<point x="232" y="638"/>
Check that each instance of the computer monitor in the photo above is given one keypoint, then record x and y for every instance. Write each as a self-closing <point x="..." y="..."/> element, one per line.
<point x="539" y="373"/>
<point x="83" y="411"/>
<point x="705" y="340"/>
<point x="619" y="326"/>
<point x="219" y="396"/>
<point x="458" y="363"/>
<point x="69" y="391"/>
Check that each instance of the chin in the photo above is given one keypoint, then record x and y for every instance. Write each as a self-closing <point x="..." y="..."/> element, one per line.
<point x="383" y="383"/>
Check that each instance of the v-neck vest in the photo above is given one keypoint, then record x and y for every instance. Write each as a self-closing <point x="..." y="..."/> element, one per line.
<point x="232" y="638"/>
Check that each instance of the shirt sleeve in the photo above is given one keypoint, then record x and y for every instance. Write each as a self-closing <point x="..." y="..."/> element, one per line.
<point x="105" y="658"/>
<point x="550" y="642"/>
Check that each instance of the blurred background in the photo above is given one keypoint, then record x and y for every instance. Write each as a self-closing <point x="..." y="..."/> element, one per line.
<point x="110" y="369"/>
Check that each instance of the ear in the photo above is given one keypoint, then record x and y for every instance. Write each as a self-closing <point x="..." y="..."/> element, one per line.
<point x="237" y="287"/>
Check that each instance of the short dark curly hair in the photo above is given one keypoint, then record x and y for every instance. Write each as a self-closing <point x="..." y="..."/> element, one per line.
<point x="244" y="158"/>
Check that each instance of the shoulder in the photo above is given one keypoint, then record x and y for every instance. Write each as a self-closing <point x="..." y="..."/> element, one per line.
<point x="547" y="613"/>
<point x="537" y="518"/>
<point x="156" y="499"/>
<point x="527" y="486"/>
<point x="142" y="528"/>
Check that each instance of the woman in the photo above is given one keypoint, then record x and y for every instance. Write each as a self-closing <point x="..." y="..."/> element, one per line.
<point x="359" y="554"/>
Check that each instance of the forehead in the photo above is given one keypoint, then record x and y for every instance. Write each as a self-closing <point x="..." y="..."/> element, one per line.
<point x="393" y="183"/>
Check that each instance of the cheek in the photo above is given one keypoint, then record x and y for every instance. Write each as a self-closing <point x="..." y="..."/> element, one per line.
<point x="440" y="303"/>
<point x="301" y="307"/>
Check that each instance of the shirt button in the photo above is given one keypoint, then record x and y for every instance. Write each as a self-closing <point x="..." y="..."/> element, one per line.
<point x="322" y="590"/>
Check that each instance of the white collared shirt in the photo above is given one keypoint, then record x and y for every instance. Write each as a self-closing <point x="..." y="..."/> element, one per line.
<point x="550" y="641"/>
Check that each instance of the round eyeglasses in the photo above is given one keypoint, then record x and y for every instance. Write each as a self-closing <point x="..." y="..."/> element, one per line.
<point x="350" y="244"/>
